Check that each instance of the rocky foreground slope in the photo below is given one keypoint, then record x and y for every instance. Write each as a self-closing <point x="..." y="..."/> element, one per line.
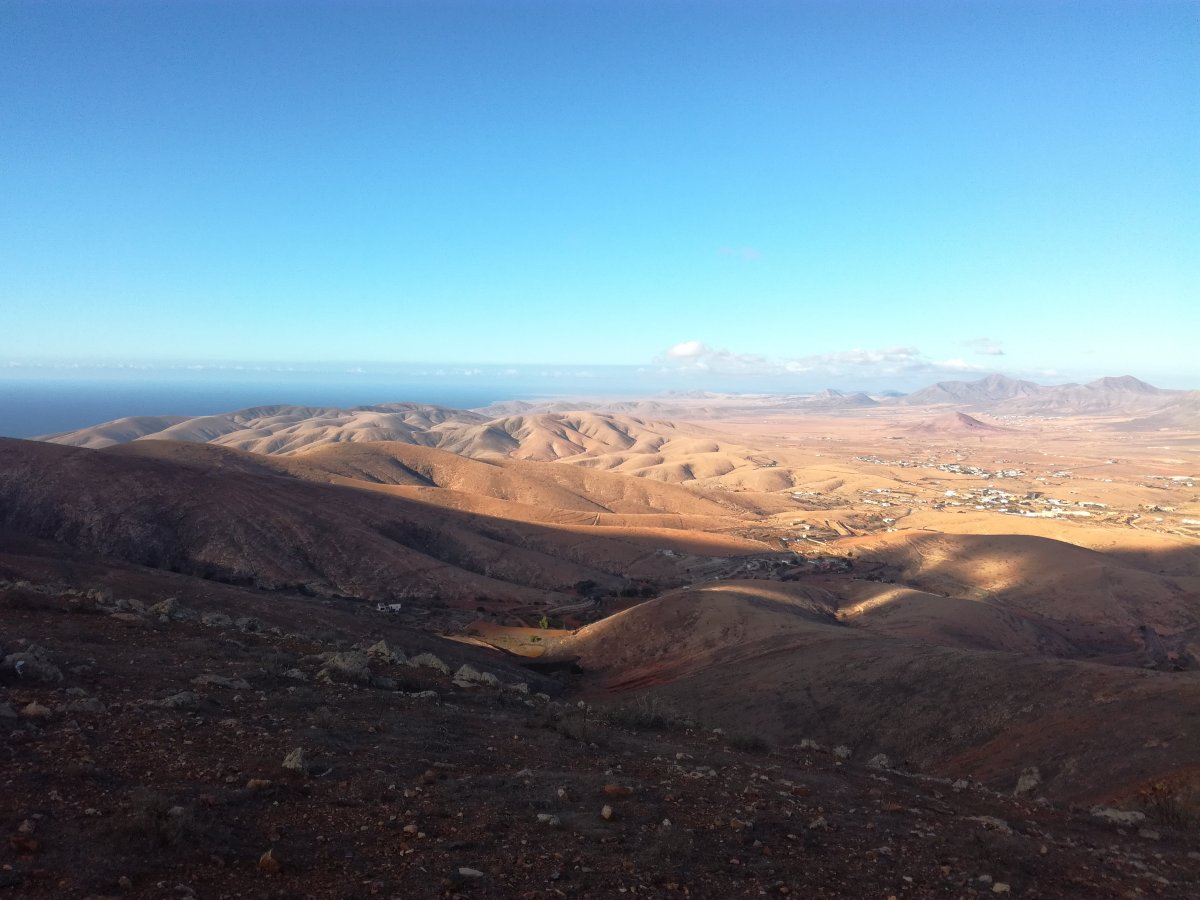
<point x="151" y="747"/>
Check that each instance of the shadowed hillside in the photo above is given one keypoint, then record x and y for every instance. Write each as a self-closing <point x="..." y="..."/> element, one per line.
<point x="243" y="518"/>
<point x="770" y="660"/>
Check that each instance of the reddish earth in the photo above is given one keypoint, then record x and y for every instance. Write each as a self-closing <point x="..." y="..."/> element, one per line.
<point x="400" y="794"/>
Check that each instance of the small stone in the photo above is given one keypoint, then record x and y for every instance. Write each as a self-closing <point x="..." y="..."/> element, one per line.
<point x="1028" y="781"/>
<point x="353" y="666"/>
<point x="548" y="819"/>
<point x="216" y="620"/>
<point x="382" y="652"/>
<point x="182" y="700"/>
<point x="1149" y="834"/>
<point x="125" y="883"/>
<point x="89" y="706"/>
<point x="233" y="684"/>
<point x="269" y="862"/>
<point x="258" y="784"/>
<point x="410" y="829"/>
<point x="1118" y="816"/>
<point x="170" y="610"/>
<point x="465" y="872"/>
<point x="606" y="812"/>
<point x="818" y="823"/>
<point x="35" y="710"/>
<point x="429" y="661"/>
<point x="1000" y="887"/>
<point x="992" y="823"/>
<point x="32" y="664"/>
<point x="617" y="790"/>
<point x="841" y="751"/>
<point x="296" y="761"/>
<point x="879" y="761"/>
<point x="468" y="675"/>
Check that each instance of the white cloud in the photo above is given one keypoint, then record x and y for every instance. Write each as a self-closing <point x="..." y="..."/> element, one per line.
<point x="688" y="350"/>
<point x="985" y="346"/>
<point x="698" y="356"/>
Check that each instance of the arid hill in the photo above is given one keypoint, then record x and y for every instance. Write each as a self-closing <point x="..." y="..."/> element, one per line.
<point x="243" y="518"/>
<point x="277" y="429"/>
<point x="770" y="658"/>
<point x="956" y="423"/>
<point x="1102" y="604"/>
<point x="1179" y="415"/>
<point x="659" y="450"/>
<point x="1000" y="394"/>
<point x="987" y="390"/>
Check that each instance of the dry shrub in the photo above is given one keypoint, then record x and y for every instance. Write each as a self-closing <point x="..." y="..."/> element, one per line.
<point x="153" y="821"/>
<point x="1175" y="806"/>
<point x="754" y="743"/>
<point x="19" y="598"/>
<point x="647" y="713"/>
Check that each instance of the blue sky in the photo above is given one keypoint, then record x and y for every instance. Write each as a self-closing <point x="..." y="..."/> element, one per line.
<point x="792" y="193"/>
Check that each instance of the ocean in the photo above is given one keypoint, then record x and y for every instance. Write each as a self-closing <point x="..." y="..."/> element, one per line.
<point x="32" y="406"/>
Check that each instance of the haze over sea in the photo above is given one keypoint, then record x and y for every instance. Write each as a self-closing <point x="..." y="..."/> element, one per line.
<point x="30" y="407"/>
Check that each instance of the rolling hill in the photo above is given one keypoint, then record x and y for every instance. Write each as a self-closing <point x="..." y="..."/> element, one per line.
<point x="769" y="660"/>
<point x="241" y="518"/>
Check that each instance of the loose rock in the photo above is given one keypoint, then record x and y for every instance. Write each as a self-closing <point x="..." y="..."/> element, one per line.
<point x="296" y="761"/>
<point x="1118" y="816"/>
<point x="352" y="665"/>
<point x="429" y="661"/>
<point x="182" y="700"/>
<point x="1028" y="781"/>
<point x="233" y="684"/>
<point x="35" y="710"/>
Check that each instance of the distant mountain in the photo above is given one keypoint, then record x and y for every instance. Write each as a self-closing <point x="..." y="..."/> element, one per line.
<point x="1125" y="383"/>
<point x="1182" y="414"/>
<point x="1124" y="395"/>
<point x="831" y="398"/>
<point x="986" y="390"/>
